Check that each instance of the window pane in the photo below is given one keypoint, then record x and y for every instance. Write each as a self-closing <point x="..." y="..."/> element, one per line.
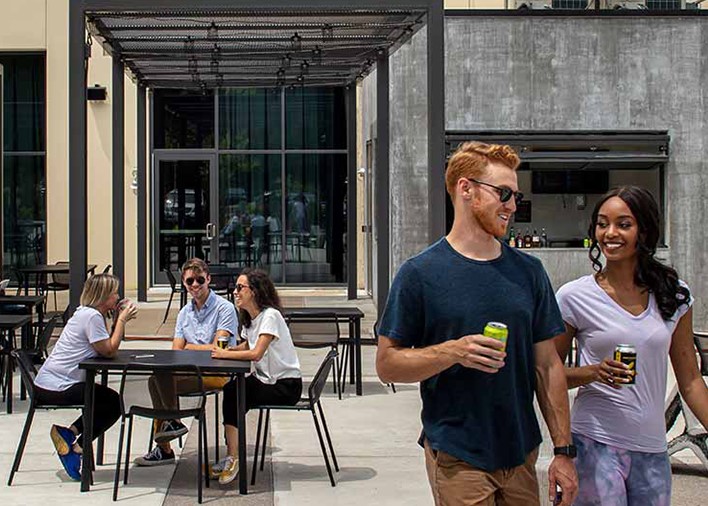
<point x="25" y="211"/>
<point x="315" y="249"/>
<point x="250" y="200"/>
<point x="24" y="99"/>
<point x="249" y="119"/>
<point x="315" y="118"/>
<point x="183" y="119"/>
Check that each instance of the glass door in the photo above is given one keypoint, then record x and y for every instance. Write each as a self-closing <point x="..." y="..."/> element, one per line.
<point x="185" y="212"/>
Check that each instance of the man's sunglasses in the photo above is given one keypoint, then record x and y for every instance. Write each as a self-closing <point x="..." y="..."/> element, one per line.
<point x="240" y="287"/>
<point x="199" y="279"/>
<point x="505" y="194"/>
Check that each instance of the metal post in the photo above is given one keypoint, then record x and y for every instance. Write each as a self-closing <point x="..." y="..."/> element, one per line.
<point x="381" y="177"/>
<point x="78" y="231"/>
<point x="118" y="129"/>
<point x="142" y="194"/>
<point x="352" y="280"/>
<point x="436" y="121"/>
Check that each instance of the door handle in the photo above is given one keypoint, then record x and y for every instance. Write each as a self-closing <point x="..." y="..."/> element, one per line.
<point x="210" y="231"/>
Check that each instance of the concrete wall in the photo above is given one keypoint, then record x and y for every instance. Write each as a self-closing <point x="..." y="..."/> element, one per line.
<point x="613" y="73"/>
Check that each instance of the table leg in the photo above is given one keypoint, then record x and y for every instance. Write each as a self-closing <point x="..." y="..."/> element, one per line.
<point x="8" y="378"/>
<point x="25" y="344"/>
<point x="87" y="464"/>
<point x="26" y="280"/>
<point x="40" y="318"/>
<point x="352" y="354"/>
<point x="102" y="437"/>
<point x="357" y="352"/>
<point x="241" y="417"/>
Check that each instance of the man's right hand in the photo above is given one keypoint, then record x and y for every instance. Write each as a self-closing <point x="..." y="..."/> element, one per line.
<point x="479" y="352"/>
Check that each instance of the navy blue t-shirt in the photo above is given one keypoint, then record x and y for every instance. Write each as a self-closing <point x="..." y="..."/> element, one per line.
<point x="487" y="420"/>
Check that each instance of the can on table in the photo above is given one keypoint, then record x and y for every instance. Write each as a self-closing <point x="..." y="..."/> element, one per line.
<point x="627" y="354"/>
<point x="222" y="342"/>
<point x="497" y="331"/>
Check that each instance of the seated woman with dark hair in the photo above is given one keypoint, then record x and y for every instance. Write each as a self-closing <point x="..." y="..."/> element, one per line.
<point x="276" y="377"/>
<point x="61" y="382"/>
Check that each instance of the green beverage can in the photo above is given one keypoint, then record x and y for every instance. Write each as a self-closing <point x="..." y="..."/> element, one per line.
<point x="496" y="330"/>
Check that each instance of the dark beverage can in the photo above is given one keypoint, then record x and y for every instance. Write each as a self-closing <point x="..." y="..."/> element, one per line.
<point x="559" y="495"/>
<point x="627" y="354"/>
<point x="222" y="342"/>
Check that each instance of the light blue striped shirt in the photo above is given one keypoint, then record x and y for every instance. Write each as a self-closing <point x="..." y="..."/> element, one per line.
<point x="198" y="326"/>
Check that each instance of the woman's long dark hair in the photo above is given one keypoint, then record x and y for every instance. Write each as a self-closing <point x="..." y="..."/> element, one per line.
<point x="659" y="279"/>
<point x="264" y="292"/>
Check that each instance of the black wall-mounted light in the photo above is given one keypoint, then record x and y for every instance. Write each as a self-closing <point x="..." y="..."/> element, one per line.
<point x="96" y="93"/>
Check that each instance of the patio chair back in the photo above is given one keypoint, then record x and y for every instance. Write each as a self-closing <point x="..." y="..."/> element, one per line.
<point x="61" y="280"/>
<point x="314" y="391"/>
<point x="40" y="350"/>
<point x="28" y="371"/>
<point x="314" y="330"/>
<point x="701" y="341"/>
<point x="170" y="278"/>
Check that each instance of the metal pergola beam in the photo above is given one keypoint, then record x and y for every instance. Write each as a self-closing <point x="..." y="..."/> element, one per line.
<point x="352" y="278"/>
<point x="141" y="148"/>
<point x="382" y="215"/>
<point x="118" y="149"/>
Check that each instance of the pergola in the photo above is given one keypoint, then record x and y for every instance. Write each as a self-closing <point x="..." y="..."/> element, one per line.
<point x="245" y="43"/>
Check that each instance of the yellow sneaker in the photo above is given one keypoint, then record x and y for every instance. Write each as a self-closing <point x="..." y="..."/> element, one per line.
<point x="230" y="471"/>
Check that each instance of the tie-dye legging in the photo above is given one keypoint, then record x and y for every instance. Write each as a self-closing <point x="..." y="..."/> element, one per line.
<point x="610" y="476"/>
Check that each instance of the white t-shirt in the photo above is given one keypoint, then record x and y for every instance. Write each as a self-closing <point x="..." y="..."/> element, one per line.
<point x="61" y="369"/>
<point x="280" y="359"/>
<point x="632" y="417"/>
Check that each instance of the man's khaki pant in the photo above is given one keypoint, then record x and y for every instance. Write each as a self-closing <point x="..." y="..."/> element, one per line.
<point x="166" y="388"/>
<point x="454" y="482"/>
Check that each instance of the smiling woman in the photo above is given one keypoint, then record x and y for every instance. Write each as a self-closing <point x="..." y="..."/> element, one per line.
<point x="634" y="301"/>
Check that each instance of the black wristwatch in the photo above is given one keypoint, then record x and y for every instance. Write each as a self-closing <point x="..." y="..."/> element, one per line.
<point x="569" y="451"/>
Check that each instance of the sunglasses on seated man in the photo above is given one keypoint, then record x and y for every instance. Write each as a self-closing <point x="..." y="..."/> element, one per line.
<point x="505" y="194"/>
<point x="200" y="280"/>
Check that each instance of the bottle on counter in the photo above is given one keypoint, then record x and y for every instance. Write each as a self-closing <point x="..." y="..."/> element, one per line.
<point x="512" y="238"/>
<point x="535" y="239"/>
<point x="527" y="239"/>
<point x="544" y="238"/>
<point x="586" y="242"/>
<point x="519" y="240"/>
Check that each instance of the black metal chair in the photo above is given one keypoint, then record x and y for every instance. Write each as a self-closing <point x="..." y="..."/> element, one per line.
<point x="318" y="330"/>
<point x="308" y="403"/>
<point x="59" y="283"/>
<point x="198" y="412"/>
<point x="696" y="442"/>
<point x="107" y="269"/>
<point x="28" y="372"/>
<point x="40" y="353"/>
<point x="175" y="289"/>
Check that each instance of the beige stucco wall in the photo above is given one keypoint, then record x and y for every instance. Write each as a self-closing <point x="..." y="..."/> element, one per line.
<point x="41" y="25"/>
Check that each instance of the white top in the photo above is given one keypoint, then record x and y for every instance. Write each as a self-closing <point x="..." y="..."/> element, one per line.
<point x="631" y="418"/>
<point x="61" y="369"/>
<point x="280" y="359"/>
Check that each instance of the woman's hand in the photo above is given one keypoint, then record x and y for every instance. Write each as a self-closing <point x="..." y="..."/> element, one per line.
<point x="612" y="373"/>
<point x="217" y="352"/>
<point x="128" y="312"/>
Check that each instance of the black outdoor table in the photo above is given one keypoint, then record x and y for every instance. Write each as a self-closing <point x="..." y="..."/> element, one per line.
<point x="179" y="361"/>
<point x="8" y="325"/>
<point x="41" y="271"/>
<point x="29" y="302"/>
<point x="353" y="315"/>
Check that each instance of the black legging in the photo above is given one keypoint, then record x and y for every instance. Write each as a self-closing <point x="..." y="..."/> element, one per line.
<point x="286" y="391"/>
<point x="106" y="406"/>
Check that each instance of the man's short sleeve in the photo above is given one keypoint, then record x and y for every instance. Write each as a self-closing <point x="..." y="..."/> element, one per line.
<point x="97" y="330"/>
<point x="179" y="326"/>
<point x="227" y="319"/>
<point x="402" y="318"/>
<point x="547" y="321"/>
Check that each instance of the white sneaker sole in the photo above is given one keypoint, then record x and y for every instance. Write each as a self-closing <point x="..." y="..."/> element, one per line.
<point x="166" y="437"/>
<point x="152" y="463"/>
